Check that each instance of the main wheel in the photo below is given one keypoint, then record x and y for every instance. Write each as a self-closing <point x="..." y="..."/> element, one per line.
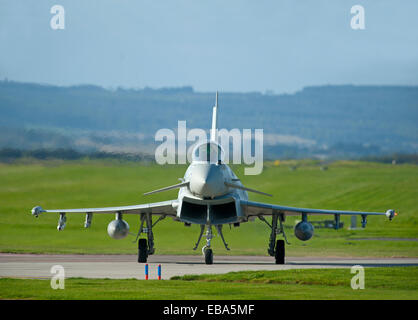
<point x="280" y="252"/>
<point x="142" y="250"/>
<point x="208" y="256"/>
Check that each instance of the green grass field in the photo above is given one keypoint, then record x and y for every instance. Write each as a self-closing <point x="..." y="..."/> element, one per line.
<point x="380" y="283"/>
<point x="345" y="186"/>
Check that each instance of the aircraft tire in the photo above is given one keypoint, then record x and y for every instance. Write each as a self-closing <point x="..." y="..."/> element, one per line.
<point x="280" y="252"/>
<point x="142" y="250"/>
<point x="208" y="256"/>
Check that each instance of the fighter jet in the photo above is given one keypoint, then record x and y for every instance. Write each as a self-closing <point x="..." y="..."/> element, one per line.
<point x="211" y="196"/>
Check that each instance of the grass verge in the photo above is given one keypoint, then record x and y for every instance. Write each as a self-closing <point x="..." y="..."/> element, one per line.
<point x="320" y="284"/>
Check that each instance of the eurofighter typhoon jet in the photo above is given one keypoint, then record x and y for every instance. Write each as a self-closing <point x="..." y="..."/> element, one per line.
<point x="210" y="195"/>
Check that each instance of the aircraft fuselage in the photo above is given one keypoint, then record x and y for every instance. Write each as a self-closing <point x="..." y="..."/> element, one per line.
<point x="207" y="199"/>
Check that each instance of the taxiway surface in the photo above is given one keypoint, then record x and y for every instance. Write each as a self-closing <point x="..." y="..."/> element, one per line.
<point x="126" y="266"/>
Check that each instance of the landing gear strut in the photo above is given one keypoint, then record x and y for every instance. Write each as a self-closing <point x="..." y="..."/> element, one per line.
<point x="276" y="249"/>
<point x="202" y="229"/>
<point x="206" y="250"/>
<point x="219" y="229"/>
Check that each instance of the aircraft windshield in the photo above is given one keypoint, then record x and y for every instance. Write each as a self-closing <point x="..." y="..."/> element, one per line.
<point x="208" y="152"/>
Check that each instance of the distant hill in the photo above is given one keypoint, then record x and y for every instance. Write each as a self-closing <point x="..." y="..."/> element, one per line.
<point x="324" y="120"/>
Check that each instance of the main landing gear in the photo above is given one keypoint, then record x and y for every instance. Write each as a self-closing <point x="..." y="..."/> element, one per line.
<point x="276" y="249"/>
<point x="206" y="250"/>
<point x="146" y="246"/>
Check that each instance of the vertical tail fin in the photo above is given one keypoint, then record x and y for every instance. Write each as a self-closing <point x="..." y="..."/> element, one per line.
<point x="213" y="131"/>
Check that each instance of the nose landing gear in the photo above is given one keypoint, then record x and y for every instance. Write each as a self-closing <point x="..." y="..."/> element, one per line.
<point x="206" y="250"/>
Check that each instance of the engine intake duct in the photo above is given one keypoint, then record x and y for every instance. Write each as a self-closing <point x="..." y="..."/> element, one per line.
<point x="223" y="213"/>
<point x="193" y="212"/>
<point x="218" y="213"/>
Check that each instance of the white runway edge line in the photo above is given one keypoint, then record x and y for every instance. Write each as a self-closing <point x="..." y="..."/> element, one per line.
<point x="125" y="266"/>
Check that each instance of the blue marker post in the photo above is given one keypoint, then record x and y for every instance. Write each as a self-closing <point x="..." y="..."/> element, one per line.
<point x="159" y="271"/>
<point x="146" y="271"/>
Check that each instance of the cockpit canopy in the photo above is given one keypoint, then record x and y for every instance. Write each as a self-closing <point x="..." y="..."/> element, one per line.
<point x="210" y="152"/>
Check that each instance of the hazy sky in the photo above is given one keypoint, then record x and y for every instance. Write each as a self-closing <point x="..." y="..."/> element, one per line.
<point x="227" y="45"/>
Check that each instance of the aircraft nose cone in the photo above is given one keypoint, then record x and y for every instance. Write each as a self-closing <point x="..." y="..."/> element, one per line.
<point x="207" y="181"/>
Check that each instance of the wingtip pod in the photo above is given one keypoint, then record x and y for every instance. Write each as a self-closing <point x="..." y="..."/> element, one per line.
<point x="391" y="214"/>
<point x="36" y="211"/>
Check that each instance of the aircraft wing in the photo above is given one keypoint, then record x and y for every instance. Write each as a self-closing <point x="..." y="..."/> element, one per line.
<point x="157" y="208"/>
<point x="251" y="208"/>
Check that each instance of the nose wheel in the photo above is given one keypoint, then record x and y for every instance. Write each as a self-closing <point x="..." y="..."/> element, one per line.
<point x="208" y="253"/>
